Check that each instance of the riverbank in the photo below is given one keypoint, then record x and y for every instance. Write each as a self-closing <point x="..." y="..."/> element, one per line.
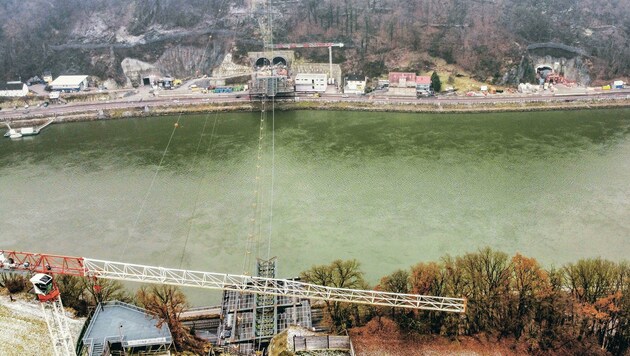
<point x="119" y="110"/>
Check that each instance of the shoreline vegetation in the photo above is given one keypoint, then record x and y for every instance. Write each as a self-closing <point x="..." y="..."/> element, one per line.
<point x="514" y="304"/>
<point x="147" y="109"/>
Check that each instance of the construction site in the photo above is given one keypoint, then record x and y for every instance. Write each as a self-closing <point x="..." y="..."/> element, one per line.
<point x="257" y="306"/>
<point x="252" y="312"/>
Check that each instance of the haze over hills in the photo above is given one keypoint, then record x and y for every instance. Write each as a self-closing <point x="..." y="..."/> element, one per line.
<point x="486" y="38"/>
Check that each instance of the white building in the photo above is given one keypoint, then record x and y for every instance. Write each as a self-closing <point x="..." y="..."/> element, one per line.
<point x="355" y="84"/>
<point x="54" y="95"/>
<point x="311" y="82"/>
<point x="13" y="89"/>
<point x="423" y="84"/>
<point x="47" y="77"/>
<point x="69" y="83"/>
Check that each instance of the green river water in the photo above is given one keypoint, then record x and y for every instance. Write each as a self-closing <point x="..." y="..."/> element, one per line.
<point x="387" y="189"/>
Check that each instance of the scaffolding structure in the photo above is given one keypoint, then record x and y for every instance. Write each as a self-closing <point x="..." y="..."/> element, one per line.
<point x="287" y="294"/>
<point x="271" y="86"/>
<point x="248" y="321"/>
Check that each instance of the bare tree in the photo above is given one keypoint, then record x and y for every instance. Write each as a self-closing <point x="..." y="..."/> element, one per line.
<point x="167" y="303"/>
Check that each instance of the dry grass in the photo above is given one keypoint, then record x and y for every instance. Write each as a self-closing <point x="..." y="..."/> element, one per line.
<point x="463" y="83"/>
<point x="23" y="330"/>
<point x="384" y="338"/>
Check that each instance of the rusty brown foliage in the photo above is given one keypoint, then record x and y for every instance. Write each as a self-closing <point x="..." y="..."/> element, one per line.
<point x="580" y="308"/>
<point x="167" y="302"/>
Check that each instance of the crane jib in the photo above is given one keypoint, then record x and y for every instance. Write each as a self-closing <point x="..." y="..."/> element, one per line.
<point x="87" y="267"/>
<point x="42" y="263"/>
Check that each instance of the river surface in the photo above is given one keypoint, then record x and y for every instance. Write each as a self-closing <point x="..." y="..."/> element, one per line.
<point x="387" y="189"/>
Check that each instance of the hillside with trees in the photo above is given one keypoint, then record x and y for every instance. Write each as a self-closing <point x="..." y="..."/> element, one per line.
<point x="486" y="38"/>
<point x="582" y="308"/>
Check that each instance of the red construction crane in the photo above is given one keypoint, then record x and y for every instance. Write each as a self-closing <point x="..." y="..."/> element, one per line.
<point x="44" y="265"/>
<point x="305" y="45"/>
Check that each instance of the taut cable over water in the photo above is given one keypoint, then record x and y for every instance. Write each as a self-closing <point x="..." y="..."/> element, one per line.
<point x="201" y="180"/>
<point x="148" y="192"/>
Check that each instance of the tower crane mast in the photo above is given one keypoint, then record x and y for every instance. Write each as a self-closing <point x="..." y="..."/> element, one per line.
<point x="54" y="314"/>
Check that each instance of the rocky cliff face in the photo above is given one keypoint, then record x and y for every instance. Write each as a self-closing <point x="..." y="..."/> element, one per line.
<point x="186" y="38"/>
<point x="574" y="69"/>
<point x="114" y="39"/>
<point x="178" y="61"/>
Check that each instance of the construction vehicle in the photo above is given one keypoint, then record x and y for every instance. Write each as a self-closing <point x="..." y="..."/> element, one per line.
<point x="45" y="266"/>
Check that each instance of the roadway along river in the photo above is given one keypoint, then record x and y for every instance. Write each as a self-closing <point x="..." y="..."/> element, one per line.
<point x="387" y="189"/>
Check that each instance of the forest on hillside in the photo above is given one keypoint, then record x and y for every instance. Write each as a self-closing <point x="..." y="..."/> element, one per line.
<point x="578" y="309"/>
<point x="484" y="37"/>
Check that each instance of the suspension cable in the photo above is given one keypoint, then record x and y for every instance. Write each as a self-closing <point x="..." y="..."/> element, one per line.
<point x="148" y="192"/>
<point x="273" y="155"/>
<point x="255" y="220"/>
<point x="200" y="185"/>
<point x="273" y="173"/>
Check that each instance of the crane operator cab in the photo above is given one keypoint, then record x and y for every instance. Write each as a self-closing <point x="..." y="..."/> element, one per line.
<point x="6" y="263"/>
<point x="44" y="287"/>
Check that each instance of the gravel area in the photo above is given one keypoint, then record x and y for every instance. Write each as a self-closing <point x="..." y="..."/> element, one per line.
<point x="23" y="329"/>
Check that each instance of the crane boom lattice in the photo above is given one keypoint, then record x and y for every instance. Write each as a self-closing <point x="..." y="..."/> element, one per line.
<point x="304" y="45"/>
<point x="58" y="327"/>
<point x="88" y="267"/>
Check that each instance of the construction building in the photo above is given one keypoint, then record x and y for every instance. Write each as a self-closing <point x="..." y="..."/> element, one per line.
<point x="355" y="84"/>
<point x="47" y="77"/>
<point x="123" y="329"/>
<point x="408" y="84"/>
<point x="423" y="85"/>
<point x="333" y="71"/>
<point x="54" y="97"/>
<point x="69" y="83"/>
<point x="311" y="82"/>
<point x="323" y="68"/>
<point x="203" y="321"/>
<point x="13" y="89"/>
<point x="402" y="84"/>
<point x="249" y="321"/>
